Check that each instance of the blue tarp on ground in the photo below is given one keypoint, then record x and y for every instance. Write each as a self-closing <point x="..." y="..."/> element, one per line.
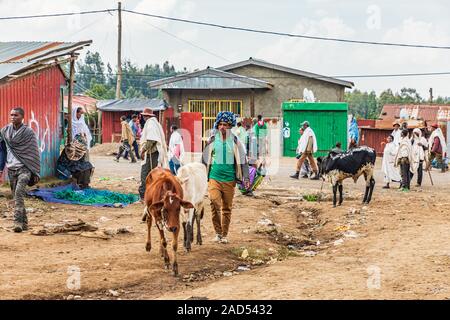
<point x="71" y="194"/>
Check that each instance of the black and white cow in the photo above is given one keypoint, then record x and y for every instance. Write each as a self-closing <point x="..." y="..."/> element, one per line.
<point x="353" y="163"/>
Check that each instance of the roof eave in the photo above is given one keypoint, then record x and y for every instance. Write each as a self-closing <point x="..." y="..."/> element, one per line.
<point x="265" y="64"/>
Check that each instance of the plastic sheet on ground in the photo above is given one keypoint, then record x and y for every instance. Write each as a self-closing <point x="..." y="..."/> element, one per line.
<point x="70" y="194"/>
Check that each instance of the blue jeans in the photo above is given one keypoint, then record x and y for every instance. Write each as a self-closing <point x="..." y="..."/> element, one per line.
<point x="174" y="165"/>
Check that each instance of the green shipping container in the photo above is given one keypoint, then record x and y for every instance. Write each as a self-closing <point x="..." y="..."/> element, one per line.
<point x="327" y="119"/>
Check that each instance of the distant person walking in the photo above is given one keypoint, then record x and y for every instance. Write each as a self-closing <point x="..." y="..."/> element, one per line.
<point x="176" y="149"/>
<point x="136" y="129"/>
<point x="20" y="153"/>
<point x="127" y="140"/>
<point x="303" y="169"/>
<point x="307" y="146"/>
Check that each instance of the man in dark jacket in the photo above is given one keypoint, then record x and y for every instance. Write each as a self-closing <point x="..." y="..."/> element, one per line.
<point x="22" y="160"/>
<point x="225" y="160"/>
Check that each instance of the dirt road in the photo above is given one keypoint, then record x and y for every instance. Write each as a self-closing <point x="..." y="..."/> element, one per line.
<point x="395" y="248"/>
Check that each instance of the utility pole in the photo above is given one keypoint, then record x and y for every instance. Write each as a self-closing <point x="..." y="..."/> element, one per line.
<point x="69" y="99"/>
<point x="119" y="52"/>
<point x="431" y="95"/>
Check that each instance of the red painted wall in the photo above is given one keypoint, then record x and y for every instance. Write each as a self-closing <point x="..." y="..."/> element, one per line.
<point x="374" y="138"/>
<point x="39" y="95"/>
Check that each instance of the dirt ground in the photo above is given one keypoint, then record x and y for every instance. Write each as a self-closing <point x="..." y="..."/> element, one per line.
<point x="281" y="245"/>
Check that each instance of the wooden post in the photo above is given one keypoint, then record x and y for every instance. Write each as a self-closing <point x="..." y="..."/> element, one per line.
<point x="70" y="98"/>
<point x="252" y="103"/>
<point x="100" y="129"/>
<point x="119" y="52"/>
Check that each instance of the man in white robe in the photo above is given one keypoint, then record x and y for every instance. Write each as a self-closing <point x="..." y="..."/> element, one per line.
<point x="420" y="145"/>
<point x="153" y="147"/>
<point x="391" y="174"/>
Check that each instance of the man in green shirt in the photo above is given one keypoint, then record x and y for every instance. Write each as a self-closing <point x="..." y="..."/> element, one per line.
<point x="260" y="130"/>
<point x="226" y="164"/>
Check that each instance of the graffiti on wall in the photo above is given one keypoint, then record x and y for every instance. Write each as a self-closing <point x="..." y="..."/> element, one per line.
<point x="44" y="140"/>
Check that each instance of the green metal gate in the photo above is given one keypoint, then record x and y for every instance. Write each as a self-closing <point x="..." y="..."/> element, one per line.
<point x="327" y="119"/>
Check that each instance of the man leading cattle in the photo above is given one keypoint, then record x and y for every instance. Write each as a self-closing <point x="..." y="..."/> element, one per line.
<point x="307" y="146"/>
<point x="153" y="147"/>
<point x="225" y="160"/>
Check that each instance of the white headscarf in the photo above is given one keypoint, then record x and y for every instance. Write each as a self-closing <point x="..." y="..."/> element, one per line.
<point x="438" y="133"/>
<point x="79" y="126"/>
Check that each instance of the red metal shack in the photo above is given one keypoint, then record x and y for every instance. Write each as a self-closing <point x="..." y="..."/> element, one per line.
<point x="112" y="110"/>
<point x="31" y="78"/>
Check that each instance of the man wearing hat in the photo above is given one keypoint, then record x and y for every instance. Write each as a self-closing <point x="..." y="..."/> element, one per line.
<point x="225" y="160"/>
<point x="397" y="133"/>
<point x="438" y="145"/>
<point x="153" y="147"/>
<point x="306" y="147"/>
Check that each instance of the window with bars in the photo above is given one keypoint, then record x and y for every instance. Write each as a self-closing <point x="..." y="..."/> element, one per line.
<point x="210" y="108"/>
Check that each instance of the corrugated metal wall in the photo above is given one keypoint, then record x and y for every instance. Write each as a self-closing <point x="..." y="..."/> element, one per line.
<point x="329" y="126"/>
<point x="39" y="95"/>
<point x="374" y="138"/>
<point x="111" y="125"/>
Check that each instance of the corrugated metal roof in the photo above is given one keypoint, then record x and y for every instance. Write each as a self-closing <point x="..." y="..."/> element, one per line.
<point x="89" y="103"/>
<point x="17" y="56"/>
<point x="416" y="112"/>
<point x="269" y="65"/>
<point x="210" y="78"/>
<point x="116" y="105"/>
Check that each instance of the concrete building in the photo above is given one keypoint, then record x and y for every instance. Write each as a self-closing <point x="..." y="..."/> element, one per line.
<point x="247" y="88"/>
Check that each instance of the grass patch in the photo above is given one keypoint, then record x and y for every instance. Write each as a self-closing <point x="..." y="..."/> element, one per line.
<point x="311" y="197"/>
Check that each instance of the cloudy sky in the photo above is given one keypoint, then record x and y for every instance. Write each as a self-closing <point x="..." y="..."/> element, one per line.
<point x="148" y="40"/>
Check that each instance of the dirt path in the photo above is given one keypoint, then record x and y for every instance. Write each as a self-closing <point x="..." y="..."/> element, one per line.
<point x="294" y="249"/>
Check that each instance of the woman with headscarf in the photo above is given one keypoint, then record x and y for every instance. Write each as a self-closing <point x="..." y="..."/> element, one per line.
<point x="353" y="133"/>
<point x="80" y="130"/>
<point x="225" y="160"/>
<point x="419" y="146"/>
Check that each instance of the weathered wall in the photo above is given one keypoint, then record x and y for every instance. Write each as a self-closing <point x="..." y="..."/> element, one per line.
<point x="287" y="86"/>
<point x="40" y="96"/>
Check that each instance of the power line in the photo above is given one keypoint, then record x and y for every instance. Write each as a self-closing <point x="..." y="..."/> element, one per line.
<point x="188" y="42"/>
<point x="287" y="34"/>
<point x="232" y="28"/>
<point x="50" y="15"/>
<point x="156" y="76"/>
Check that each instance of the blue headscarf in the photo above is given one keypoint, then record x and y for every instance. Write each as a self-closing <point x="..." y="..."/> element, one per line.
<point x="353" y="130"/>
<point x="225" y="116"/>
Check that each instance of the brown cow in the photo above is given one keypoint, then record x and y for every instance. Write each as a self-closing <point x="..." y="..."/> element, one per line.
<point x="163" y="200"/>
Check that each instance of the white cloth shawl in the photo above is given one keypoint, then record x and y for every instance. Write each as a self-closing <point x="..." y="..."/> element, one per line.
<point x="175" y="139"/>
<point x="388" y="165"/>
<point x="438" y="133"/>
<point x="418" y="154"/>
<point x="304" y="140"/>
<point x="79" y="126"/>
<point x="153" y="131"/>
<point x="405" y="151"/>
